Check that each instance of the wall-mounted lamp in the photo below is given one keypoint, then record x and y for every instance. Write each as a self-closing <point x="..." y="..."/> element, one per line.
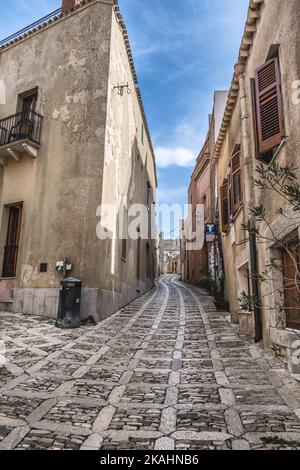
<point x="121" y="89"/>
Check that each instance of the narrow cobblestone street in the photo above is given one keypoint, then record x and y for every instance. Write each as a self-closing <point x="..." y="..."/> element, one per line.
<point x="167" y="372"/>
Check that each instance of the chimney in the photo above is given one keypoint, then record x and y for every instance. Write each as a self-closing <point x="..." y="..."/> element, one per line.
<point x="67" y="5"/>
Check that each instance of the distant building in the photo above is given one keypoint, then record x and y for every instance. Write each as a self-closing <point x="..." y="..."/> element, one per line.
<point x="170" y="257"/>
<point x="200" y="264"/>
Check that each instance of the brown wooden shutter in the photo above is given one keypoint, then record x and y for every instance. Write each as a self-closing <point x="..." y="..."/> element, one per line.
<point x="292" y="296"/>
<point x="225" y="207"/>
<point x="236" y="162"/>
<point x="270" y="122"/>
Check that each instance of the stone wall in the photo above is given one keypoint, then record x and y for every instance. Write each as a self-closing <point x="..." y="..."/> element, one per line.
<point x="83" y="161"/>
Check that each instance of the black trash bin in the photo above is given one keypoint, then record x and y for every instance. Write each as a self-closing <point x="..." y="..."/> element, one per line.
<point x="69" y="304"/>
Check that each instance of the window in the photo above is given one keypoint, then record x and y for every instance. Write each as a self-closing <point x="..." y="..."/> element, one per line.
<point x="43" y="267"/>
<point x="225" y="206"/>
<point x="236" y="184"/>
<point x="268" y="109"/>
<point x="29" y="103"/>
<point x="291" y="270"/>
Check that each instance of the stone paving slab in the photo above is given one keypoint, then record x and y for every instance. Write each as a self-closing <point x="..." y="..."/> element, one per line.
<point x="166" y="372"/>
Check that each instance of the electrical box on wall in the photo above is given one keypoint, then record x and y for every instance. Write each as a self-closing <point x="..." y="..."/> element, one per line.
<point x="63" y="266"/>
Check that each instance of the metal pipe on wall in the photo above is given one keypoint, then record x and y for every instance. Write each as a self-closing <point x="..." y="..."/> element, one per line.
<point x="249" y="197"/>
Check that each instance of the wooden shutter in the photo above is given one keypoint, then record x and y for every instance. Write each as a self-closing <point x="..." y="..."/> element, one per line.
<point x="225" y="207"/>
<point x="254" y="117"/>
<point x="270" y="121"/>
<point x="292" y="296"/>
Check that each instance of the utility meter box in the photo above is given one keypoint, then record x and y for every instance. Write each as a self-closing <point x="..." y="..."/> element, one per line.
<point x="69" y="303"/>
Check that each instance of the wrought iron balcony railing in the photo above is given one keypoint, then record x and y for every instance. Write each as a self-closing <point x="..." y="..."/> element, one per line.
<point x="31" y="28"/>
<point x="24" y="125"/>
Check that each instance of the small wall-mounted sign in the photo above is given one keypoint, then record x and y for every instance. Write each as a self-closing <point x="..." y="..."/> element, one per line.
<point x="60" y="266"/>
<point x="210" y="233"/>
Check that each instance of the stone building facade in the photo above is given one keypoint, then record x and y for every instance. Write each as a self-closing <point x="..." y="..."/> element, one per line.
<point x="261" y="127"/>
<point x="73" y="137"/>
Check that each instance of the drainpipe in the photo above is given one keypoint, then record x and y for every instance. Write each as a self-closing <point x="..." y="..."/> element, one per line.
<point x="249" y="197"/>
<point x="255" y="287"/>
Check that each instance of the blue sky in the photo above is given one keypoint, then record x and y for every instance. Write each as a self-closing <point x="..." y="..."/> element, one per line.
<point x="183" y="50"/>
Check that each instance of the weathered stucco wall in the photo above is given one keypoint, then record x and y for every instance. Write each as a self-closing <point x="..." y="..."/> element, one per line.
<point x="128" y="163"/>
<point x="62" y="187"/>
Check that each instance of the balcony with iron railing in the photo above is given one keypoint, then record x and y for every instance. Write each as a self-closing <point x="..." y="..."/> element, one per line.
<point x="20" y="134"/>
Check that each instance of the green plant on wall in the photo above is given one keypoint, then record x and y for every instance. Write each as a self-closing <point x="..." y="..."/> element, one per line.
<point x="282" y="182"/>
<point x="205" y="282"/>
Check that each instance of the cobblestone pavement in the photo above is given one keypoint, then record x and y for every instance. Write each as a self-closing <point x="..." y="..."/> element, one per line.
<point x="167" y="372"/>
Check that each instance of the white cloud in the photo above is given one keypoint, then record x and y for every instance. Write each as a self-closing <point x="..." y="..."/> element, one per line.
<point x="169" y="194"/>
<point x="170" y="156"/>
<point x="183" y="144"/>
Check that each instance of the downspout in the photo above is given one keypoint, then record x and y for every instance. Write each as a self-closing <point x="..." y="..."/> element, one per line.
<point x="249" y="197"/>
<point x="220" y="302"/>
